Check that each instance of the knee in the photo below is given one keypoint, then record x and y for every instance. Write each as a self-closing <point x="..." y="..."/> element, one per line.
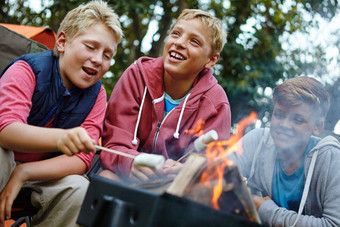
<point x="7" y="164"/>
<point x="77" y="188"/>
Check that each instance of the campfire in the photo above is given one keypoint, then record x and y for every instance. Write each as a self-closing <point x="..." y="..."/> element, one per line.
<point x="208" y="184"/>
<point x="212" y="179"/>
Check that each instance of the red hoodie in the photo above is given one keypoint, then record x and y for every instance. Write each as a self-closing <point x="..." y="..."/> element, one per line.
<point x="134" y="118"/>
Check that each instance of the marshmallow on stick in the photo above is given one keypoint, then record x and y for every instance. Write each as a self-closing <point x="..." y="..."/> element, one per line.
<point x="150" y="160"/>
<point x="202" y="142"/>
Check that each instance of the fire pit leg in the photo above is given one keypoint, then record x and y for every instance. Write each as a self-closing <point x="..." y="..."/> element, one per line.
<point x="113" y="212"/>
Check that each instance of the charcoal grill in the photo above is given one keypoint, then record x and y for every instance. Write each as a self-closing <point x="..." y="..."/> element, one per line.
<point x="109" y="203"/>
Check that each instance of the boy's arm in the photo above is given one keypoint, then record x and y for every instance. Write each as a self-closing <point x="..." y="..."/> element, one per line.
<point x="93" y="124"/>
<point x="27" y="138"/>
<point x="16" y="90"/>
<point x="48" y="169"/>
<point x="120" y="120"/>
<point x="243" y="151"/>
<point x="323" y="192"/>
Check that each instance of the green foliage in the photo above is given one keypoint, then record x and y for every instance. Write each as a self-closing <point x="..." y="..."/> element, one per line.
<point x="252" y="60"/>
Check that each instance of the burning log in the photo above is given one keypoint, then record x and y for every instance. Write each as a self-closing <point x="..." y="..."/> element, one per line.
<point x="235" y="196"/>
<point x="191" y="170"/>
<point x="240" y="191"/>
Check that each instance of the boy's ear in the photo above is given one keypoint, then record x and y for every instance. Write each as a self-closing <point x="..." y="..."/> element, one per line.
<point x="212" y="61"/>
<point x="61" y="42"/>
<point x="318" y="127"/>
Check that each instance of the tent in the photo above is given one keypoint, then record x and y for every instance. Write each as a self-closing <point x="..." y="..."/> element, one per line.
<point x="16" y="40"/>
<point x="45" y="36"/>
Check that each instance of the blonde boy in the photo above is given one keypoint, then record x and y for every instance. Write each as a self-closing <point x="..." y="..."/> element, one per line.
<point x="157" y="100"/>
<point x="52" y="107"/>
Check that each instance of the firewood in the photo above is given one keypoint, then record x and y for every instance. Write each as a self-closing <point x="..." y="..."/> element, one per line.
<point x="191" y="170"/>
<point x="235" y="197"/>
<point x="242" y="192"/>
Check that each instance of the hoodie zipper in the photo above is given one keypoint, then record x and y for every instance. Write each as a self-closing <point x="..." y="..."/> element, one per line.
<point x="159" y="125"/>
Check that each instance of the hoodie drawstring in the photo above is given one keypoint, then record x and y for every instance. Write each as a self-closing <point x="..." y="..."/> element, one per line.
<point x="306" y="188"/>
<point x="134" y="141"/>
<point x="176" y="134"/>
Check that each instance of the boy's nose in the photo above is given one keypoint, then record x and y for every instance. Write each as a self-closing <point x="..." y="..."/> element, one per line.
<point x="97" y="58"/>
<point x="286" y="123"/>
<point x="179" y="43"/>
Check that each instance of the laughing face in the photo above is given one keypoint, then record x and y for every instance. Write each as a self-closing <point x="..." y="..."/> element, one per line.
<point x="187" y="51"/>
<point x="84" y="60"/>
<point x="291" y="127"/>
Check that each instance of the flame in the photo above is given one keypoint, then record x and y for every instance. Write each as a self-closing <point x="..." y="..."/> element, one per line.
<point x="217" y="159"/>
<point x="197" y="128"/>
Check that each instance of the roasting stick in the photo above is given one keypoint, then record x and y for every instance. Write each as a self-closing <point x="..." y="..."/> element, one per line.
<point x="150" y="160"/>
<point x="115" y="152"/>
<point x="200" y="144"/>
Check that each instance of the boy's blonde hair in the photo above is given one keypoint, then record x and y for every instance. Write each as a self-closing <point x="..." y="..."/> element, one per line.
<point x="296" y="91"/>
<point x="219" y="35"/>
<point x="79" y="19"/>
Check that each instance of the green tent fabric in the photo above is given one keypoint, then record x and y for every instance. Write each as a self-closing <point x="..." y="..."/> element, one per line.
<point x="13" y="45"/>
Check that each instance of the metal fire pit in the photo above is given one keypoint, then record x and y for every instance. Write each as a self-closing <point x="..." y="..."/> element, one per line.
<point x="109" y="203"/>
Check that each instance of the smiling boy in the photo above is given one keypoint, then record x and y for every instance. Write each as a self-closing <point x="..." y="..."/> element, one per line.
<point x="157" y="99"/>
<point x="292" y="173"/>
<point x="52" y="107"/>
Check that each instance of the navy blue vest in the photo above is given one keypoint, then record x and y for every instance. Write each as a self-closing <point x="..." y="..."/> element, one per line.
<point x="51" y="98"/>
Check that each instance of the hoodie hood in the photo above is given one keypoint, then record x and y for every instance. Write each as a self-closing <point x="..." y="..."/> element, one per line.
<point x="152" y="72"/>
<point x="327" y="141"/>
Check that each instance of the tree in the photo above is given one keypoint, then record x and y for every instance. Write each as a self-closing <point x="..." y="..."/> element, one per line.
<point x="253" y="61"/>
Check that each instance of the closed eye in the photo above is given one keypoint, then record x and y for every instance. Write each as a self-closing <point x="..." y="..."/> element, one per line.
<point x="89" y="46"/>
<point x="107" y="57"/>
<point x="299" y="121"/>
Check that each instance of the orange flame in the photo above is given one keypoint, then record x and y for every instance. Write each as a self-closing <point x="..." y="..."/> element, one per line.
<point x="197" y="129"/>
<point x="217" y="154"/>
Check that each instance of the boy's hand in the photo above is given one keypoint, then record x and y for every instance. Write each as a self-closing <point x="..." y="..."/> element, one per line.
<point x="170" y="169"/>
<point x="259" y="200"/>
<point x="10" y="192"/>
<point x="74" y="141"/>
<point x="141" y="173"/>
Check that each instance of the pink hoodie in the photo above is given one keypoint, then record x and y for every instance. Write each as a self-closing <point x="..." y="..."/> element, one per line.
<point x="134" y="118"/>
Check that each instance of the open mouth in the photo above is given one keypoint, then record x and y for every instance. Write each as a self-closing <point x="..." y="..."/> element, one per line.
<point x="90" y="71"/>
<point x="177" y="56"/>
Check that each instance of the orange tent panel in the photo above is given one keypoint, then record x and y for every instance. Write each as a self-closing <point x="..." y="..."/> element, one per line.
<point x="45" y="36"/>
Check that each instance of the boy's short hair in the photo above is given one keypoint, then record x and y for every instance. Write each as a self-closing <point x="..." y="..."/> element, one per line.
<point x="296" y="91"/>
<point x="219" y="35"/>
<point x="79" y="19"/>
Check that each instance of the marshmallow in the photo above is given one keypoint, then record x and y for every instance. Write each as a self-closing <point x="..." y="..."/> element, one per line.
<point x="202" y="142"/>
<point x="150" y="160"/>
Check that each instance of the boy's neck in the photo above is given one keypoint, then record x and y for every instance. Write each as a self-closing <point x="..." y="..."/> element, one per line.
<point x="177" y="89"/>
<point x="291" y="159"/>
